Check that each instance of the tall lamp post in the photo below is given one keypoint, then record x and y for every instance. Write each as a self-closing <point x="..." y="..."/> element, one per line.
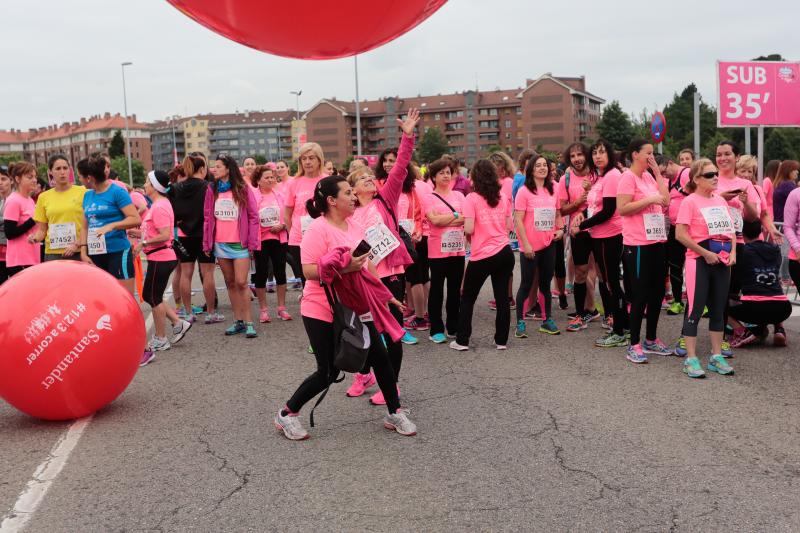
<point x="127" y="130"/>
<point x="358" y="111"/>
<point x="297" y="105"/>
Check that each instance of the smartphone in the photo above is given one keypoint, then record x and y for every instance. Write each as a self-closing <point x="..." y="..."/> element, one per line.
<point x="735" y="191"/>
<point x="362" y="248"/>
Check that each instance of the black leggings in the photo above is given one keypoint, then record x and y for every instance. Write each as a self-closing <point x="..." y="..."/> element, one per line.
<point x="156" y="280"/>
<point x="676" y="258"/>
<point x="3" y="272"/>
<point x="794" y="272"/>
<point x="320" y="335"/>
<point x="645" y="268"/>
<point x="561" y="263"/>
<point x="706" y="286"/>
<point x="452" y="270"/>
<point x="294" y="261"/>
<point x="608" y="256"/>
<point x="397" y="286"/>
<point x="499" y="267"/>
<point x="761" y="313"/>
<point x="543" y="262"/>
<point x="419" y="272"/>
<point x="271" y="252"/>
<point x="297" y="268"/>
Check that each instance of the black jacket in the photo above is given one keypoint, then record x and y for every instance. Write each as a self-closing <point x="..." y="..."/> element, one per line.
<point x="759" y="265"/>
<point x="187" y="200"/>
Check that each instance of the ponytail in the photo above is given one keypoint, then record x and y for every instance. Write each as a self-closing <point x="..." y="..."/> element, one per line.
<point x="192" y="164"/>
<point x="326" y="187"/>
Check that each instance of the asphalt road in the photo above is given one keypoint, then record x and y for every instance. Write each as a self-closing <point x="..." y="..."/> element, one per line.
<point x="551" y="435"/>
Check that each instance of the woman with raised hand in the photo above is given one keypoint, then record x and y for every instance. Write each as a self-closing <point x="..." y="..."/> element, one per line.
<point x="332" y="205"/>
<point x="641" y="197"/>
<point x="108" y="213"/>
<point x="230" y="230"/>
<point x="377" y="213"/>
<point x="22" y="251"/>
<point x="487" y="222"/>
<point x="59" y="213"/>
<point x="537" y="218"/>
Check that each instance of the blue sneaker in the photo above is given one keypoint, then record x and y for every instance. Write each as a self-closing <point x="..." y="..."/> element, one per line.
<point x="549" y="327"/>
<point x="408" y="338"/>
<point x="520" y="332"/>
<point x="692" y="368"/>
<point x="237" y="327"/>
<point x="680" y="347"/>
<point x="250" y="331"/>
<point x="438" y="338"/>
<point x="635" y="354"/>
<point x="181" y="312"/>
<point x="726" y="350"/>
<point x="197" y="310"/>
<point x="718" y="364"/>
<point x="656" y="347"/>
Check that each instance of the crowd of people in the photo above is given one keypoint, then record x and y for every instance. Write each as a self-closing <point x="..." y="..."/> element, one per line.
<point x="411" y="247"/>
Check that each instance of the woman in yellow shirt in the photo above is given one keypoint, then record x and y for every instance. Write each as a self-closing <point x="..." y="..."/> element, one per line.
<point x="59" y="213"/>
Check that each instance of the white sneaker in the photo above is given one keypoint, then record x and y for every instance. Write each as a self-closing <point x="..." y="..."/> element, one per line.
<point x="179" y="331"/>
<point x="400" y="423"/>
<point x="291" y="427"/>
<point x="461" y="348"/>
<point x="159" y="345"/>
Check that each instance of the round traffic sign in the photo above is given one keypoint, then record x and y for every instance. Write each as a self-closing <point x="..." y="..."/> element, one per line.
<point x="658" y="127"/>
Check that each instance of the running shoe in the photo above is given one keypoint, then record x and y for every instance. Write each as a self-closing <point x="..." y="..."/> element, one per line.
<point x="665" y="303"/>
<point x="534" y="313"/>
<point x="418" y="324"/>
<point x="569" y="287"/>
<point x="562" y="302"/>
<point x="197" y="310"/>
<point x="493" y="305"/>
<point x="675" y="308"/>
<point x="297" y="285"/>
<point x="576" y="324"/>
<point x="458" y="347"/>
<point x="611" y="340"/>
<point x="743" y="338"/>
<point x="693" y="368"/>
<point x="635" y="354"/>
<point x="501" y="347"/>
<point x="705" y="312"/>
<point x="726" y="349"/>
<point x="591" y="316"/>
<point x="656" y="347"/>
<point x="263" y="316"/>
<point x="409" y="339"/>
<point x="718" y="364"/>
<point x="235" y="328"/>
<point x="214" y="318"/>
<point x="291" y="426"/>
<point x="310" y="349"/>
<point x="438" y="338"/>
<point x="283" y="314"/>
<point x="180" y="330"/>
<point x="361" y="382"/>
<point x="451" y="335"/>
<point x="159" y="344"/>
<point x="378" y="399"/>
<point x="250" y="331"/>
<point x="148" y="356"/>
<point x="520" y="332"/>
<point x="607" y="323"/>
<point x="779" y="337"/>
<point x="680" y="347"/>
<point x="270" y="286"/>
<point x="181" y="312"/>
<point x="512" y="303"/>
<point x="549" y="326"/>
<point x="400" y="423"/>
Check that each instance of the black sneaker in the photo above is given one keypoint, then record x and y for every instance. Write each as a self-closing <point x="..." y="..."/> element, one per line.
<point x="591" y="316"/>
<point x="562" y="302"/>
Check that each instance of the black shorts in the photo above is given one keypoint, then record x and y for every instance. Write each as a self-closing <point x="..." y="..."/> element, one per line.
<point x="118" y="264"/>
<point x="419" y="272"/>
<point x="581" y="245"/>
<point x="194" y="251"/>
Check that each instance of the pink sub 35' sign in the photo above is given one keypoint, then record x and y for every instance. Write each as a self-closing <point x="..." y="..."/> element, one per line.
<point x="758" y="93"/>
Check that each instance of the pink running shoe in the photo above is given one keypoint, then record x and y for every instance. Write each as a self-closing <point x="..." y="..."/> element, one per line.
<point x="361" y="382"/>
<point x="283" y="314"/>
<point x="264" y="316"/>
<point x="378" y="399"/>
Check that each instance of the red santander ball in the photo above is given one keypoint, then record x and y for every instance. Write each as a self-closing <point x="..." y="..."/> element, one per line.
<point x="314" y="29"/>
<point x="71" y="337"/>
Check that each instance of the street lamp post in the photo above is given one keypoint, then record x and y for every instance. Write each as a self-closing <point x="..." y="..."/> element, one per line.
<point x="358" y="111"/>
<point x="297" y="105"/>
<point x="174" y="142"/>
<point x="127" y="130"/>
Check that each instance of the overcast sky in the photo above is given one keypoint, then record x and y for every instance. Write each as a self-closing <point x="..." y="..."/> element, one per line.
<point x="61" y="59"/>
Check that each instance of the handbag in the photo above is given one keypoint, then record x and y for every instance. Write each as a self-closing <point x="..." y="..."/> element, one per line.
<point x="404" y="236"/>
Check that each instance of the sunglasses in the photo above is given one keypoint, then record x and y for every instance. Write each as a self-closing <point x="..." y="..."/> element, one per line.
<point x="709" y="175"/>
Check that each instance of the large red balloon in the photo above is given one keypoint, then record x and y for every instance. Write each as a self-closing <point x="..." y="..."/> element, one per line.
<point x="71" y="338"/>
<point x="314" y="29"/>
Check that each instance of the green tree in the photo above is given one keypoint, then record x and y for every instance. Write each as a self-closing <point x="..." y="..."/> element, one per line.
<point x="615" y="126"/>
<point x="120" y="166"/>
<point x="680" y="121"/>
<point x="432" y="146"/>
<point x="492" y="148"/>
<point x="10" y="158"/>
<point x="782" y="143"/>
<point x="116" y="147"/>
<point x="770" y="57"/>
<point x="260" y="159"/>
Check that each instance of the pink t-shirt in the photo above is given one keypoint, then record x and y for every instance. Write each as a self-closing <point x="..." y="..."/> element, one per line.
<point x="735" y="205"/>
<point x="450" y="234"/>
<point x="605" y="187"/>
<point x="648" y="226"/>
<point x="226" y="213"/>
<point x="319" y="239"/>
<point x="490" y="235"/>
<point x="297" y="192"/>
<point x="575" y="189"/>
<point x="541" y="215"/>
<point x="706" y="218"/>
<point x="270" y="214"/>
<point x="766" y="185"/>
<point x="19" y="251"/>
<point x="423" y="189"/>
<point x="506" y="187"/>
<point x="159" y="216"/>
<point x="367" y="217"/>
<point x="675" y="196"/>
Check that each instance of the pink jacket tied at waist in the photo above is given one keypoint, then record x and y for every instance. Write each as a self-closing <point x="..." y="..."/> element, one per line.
<point x="249" y="231"/>
<point x="360" y="291"/>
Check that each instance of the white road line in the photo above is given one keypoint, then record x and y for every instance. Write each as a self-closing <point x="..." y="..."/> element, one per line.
<point x="45" y="474"/>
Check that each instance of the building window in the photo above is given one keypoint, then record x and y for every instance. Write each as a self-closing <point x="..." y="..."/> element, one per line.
<point x="489" y="124"/>
<point x="437" y="116"/>
<point x="252" y="142"/>
<point x="507" y="123"/>
<point x="519" y="111"/>
<point x="455" y="114"/>
<point x="508" y="135"/>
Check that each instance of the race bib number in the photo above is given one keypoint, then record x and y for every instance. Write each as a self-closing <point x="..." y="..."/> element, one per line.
<point x="718" y="220"/>
<point x="655" y="228"/>
<point x="407" y="224"/>
<point x="61" y="235"/>
<point x="95" y="244"/>
<point x="269" y="216"/>
<point x="225" y="209"/>
<point x="453" y="241"/>
<point x="544" y="218"/>
<point x="382" y="240"/>
<point x="305" y="222"/>
<point x="736" y="217"/>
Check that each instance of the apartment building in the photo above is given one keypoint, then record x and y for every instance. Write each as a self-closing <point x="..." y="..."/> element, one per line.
<point x="251" y="133"/>
<point x="547" y="113"/>
<point x="167" y="143"/>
